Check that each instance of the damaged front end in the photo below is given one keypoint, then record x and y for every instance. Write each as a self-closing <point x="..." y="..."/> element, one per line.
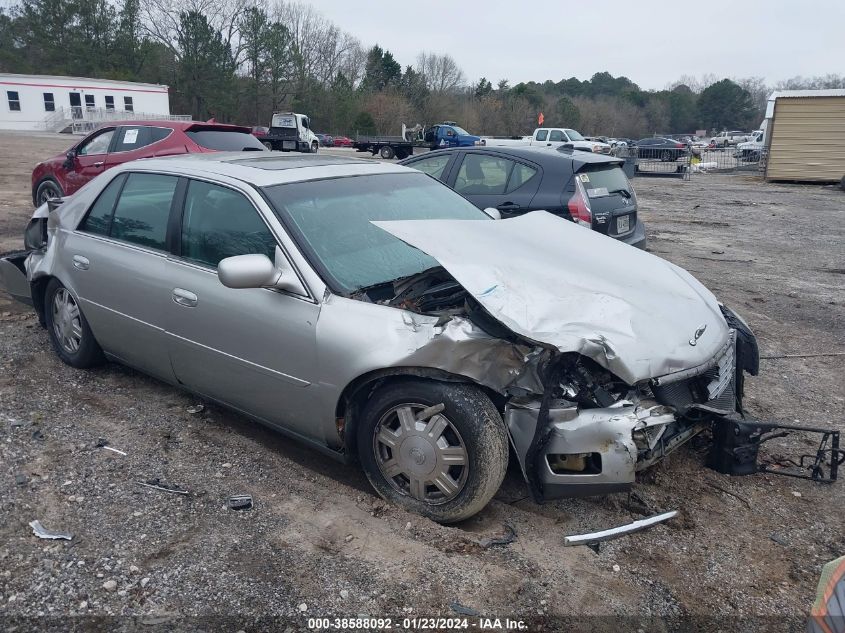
<point x="577" y="429"/>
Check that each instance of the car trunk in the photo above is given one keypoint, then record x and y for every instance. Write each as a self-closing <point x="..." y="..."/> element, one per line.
<point x="610" y="197"/>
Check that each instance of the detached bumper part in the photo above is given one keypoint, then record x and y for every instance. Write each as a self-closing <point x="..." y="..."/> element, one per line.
<point x="591" y="451"/>
<point x="13" y="277"/>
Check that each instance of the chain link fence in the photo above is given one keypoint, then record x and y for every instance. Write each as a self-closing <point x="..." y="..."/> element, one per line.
<point x="684" y="160"/>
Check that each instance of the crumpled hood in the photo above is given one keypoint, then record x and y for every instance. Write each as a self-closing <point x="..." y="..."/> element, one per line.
<point x="554" y="282"/>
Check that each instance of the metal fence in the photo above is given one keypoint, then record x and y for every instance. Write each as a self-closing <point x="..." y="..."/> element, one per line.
<point x="683" y="163"/>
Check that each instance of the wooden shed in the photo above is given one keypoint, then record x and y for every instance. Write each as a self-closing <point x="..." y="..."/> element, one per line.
<point x="806" y="135"/>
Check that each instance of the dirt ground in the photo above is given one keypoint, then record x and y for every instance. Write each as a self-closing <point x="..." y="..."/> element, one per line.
<point x="745" y="553"/>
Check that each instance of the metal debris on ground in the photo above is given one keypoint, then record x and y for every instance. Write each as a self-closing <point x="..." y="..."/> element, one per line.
<point x="41" y="532"/>
<point x="159" y="485"/>
<point x="104" y="443"/>
<point x="20" y="479"/>
<point x="240" y="502"/>
<point x="196" y="409"/>
<point x="459" y="608"/>
<point x="504" y="539"/>
<point x="612" y="533"/>
<point x="38" y="435"/>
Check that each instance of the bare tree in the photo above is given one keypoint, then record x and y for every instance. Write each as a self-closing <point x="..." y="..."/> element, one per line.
<point x="441" y="72"/>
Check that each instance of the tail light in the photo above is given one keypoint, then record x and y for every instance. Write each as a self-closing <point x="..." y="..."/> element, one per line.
<point x="579" y="206"/>
<point x="679" y="145"/>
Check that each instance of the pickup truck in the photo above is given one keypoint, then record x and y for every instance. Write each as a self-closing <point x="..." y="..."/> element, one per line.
<point x="291" y="132"/>
<point x="449" y="134"/>
<point x="724" y="139"/>
<point x="552" y="137"/>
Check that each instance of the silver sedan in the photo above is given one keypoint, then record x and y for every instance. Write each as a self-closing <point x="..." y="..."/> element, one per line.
<point x="372" y="312"/>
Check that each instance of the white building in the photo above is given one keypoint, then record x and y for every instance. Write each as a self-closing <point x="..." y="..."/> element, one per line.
<point x="46" y="102"/>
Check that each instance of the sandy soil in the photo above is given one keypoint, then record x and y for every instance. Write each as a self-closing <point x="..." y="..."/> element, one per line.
<point x="745" y="553"/>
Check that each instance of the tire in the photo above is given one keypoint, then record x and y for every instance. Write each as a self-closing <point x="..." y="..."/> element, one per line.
<point x="68" y="329"/>
<point x="386" y="152"/>
<point x="47" y="189"/>
<point x="314" y="147"/>
<point x="471" y="437"/>
<point x="666" y="156"/>
<point x="268" y="145"/>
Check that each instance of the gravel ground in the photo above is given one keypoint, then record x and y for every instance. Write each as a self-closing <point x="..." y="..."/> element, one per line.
<point x="745" y="553"/>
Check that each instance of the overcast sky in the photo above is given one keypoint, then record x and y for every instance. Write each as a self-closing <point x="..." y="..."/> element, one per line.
<point x="652" y="42"/>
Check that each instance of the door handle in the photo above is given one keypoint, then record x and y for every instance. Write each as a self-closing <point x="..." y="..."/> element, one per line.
<point x="81" y="262"/>
<point x="508" y="206"/>
<point x="98" y="164"/>
<point x="184" y="298"/>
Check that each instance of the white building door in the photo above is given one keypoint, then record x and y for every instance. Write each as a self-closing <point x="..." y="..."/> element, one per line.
<point x="76" y="105"/>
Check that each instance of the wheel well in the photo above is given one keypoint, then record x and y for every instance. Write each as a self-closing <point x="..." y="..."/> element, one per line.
<point x="38" y="289"/>
<point x="355" y="396"/>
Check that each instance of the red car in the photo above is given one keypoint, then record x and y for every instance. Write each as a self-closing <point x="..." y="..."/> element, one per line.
<point x="122" y="141"/>
<point x="342" y="141"/>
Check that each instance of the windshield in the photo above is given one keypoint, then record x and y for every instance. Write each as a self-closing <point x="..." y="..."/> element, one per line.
<point x="225" y="140"/>
<point x="574" y="136"/>
<point x="460" y="130"/>
<point x="331" y="221"/>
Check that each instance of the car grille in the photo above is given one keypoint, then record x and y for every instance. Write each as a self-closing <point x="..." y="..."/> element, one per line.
<point x="712" y="390"/>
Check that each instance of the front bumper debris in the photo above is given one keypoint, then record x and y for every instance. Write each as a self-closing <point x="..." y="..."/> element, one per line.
<point x="13" y="277"/>
<point x="606" y="535"/>
<point x="593" y="451"/>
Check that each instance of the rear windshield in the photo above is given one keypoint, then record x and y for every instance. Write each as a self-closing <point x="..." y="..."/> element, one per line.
<point x="603" y="181"/>
<point x="225" y="140"/>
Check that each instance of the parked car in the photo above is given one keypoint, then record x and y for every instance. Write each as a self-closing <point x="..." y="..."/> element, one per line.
<point x="342" y="141"/>
<point x="724" y="139"/>
<point x="589" y="189"/>
<point x="260" y="130"/>
<point x="325" y="140"/>
<point x="550" y="137"/>
<point x="666" y="149"/>
<point x="368" y="310"/>
<point x="122" y="141"/>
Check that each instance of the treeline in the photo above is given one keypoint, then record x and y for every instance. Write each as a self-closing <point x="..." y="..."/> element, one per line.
<point x="239" y="60"/>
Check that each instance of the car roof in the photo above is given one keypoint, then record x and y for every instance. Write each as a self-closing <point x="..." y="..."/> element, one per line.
<point x="177" y="125"/>
<point x="543" y="156"/>
<point x="265" y="168"/>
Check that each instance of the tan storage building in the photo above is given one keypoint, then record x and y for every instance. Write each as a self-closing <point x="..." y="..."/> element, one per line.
<point x="806" y="130"/>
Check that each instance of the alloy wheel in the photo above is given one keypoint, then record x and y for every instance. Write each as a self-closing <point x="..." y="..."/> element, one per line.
<point x="67" y="321"/>
<point x="423" y="457"/>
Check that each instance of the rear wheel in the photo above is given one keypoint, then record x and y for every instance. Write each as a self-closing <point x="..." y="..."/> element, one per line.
<point x="47" y="190"/>
<point x="444" y="463"/>
<point x="386" y="152"/>
<point x="666" y="156"/>
<point x="69" y="332"/>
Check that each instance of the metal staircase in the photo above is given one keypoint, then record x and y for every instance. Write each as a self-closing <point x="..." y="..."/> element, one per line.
<point x="79" y="120"/>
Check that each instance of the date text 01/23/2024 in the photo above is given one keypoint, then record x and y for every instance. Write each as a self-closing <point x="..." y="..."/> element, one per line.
<point x="416" y="623"/>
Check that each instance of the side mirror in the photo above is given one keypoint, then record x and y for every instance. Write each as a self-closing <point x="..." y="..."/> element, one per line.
<point x="70" y="157"/>
<point x="493" y="213"/>
<point x="257" y="271"/>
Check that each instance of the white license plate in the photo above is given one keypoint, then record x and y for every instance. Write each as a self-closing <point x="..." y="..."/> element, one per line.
<point x="289" y="144"/>
<point x="623" y="224"/>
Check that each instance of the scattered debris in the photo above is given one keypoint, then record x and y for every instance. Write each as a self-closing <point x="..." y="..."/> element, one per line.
<point x="41" y="532"/>
<point x="110" y="585"/>
<point x="732" y="494"/>
<point x="795" y="493"/>
<point x="430" y="412"/>
<point x="159" y="485"/>
<point x="777" y="356"/>
<point x="459" y="608"/>
<point x="196" y="409"/>
<point x="240" y="502"/>
<point x="144" y="581"/>
<point x="114" y="450"/>
<point x="21" y="479"/>
<point x="504" y="539"/>
<point x="606" y="535"/>
<point x="718" y="252"/>
<point x="344" y="594"/>
<point x="38" y="435"/>
<point x="616" y="568"/>
<point x="779" y="539"/>
<point x="303" y="607"/>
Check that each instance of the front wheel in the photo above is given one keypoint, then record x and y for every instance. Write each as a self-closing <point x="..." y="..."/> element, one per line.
<point x="268" y="145"/>
<point x="69" y="331"/>
<point x="444" y="463"/>
<point x="666" y="156"/>
<point x="314" y="147"/>
<point x="47" y="190"/>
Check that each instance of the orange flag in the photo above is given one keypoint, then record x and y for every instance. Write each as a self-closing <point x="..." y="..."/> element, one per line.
<point x="540" y="119"/>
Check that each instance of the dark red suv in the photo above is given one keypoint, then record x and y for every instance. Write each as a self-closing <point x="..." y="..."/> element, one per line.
<point x="122" y="141"/>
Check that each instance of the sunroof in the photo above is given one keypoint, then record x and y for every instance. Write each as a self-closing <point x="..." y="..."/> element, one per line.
<point x="274" y="163"/>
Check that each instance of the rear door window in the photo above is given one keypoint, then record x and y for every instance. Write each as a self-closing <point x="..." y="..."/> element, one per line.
<point x="132" y="137"/>
<point x="520" y="175"/>
<point x="483" y="175"/>
<point x="223" y="140"/>
<point x="98" y="220"/>
<point x="556" y="136"/>
<point x="143" y="210"/>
